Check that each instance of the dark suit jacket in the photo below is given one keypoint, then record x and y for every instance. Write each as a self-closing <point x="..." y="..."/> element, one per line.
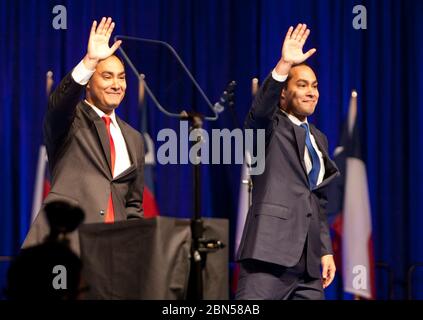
<point x="284" y="211"/>
<point x="79" y="160"/>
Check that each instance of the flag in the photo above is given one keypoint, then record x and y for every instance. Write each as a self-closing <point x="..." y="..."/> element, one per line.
<point x="42" y="182"/>
<point x="151" y="208"/>
<point x="244" y="199"/>
<point x="42" y="179"/>
<point x="244" y="202"/>
<point x="352" y="225"/>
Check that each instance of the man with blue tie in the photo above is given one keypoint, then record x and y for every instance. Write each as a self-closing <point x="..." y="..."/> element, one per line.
<point x="286" y="235"/>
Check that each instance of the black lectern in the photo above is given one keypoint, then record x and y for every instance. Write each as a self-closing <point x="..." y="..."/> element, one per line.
<point x="150" y="259"/>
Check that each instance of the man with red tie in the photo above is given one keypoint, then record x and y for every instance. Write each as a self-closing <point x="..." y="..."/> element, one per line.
<point x="95" y="158"/>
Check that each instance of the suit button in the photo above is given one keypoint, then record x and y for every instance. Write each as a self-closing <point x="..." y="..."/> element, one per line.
<point x="101" y="212"/>
<point x="309" y="214"/>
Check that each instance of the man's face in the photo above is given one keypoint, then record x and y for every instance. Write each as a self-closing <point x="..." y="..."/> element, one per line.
<point x="107" y="86"/>
<point x="301" y="94"/>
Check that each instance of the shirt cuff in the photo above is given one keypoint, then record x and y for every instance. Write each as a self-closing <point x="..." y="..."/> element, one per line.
<point x="81" y="74"/>
<point x="278" y="77"/>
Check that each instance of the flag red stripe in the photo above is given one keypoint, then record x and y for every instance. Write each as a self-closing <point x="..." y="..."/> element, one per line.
<point x="151" y="209"/>
<point x="372" y="267"/>
<point x="46" y="188"/>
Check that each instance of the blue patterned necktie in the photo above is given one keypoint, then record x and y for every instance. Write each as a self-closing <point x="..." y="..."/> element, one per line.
<point x="315" y="161"/>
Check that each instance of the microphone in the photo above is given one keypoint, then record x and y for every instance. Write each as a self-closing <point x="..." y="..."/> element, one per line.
<point x="227" y="97"/>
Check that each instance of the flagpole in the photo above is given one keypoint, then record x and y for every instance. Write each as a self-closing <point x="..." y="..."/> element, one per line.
<point x="42" y="161"/>
<point x="49" y="82"/>
<point x="254" y="87"/>
<point x="249" y="181"/>
<point x="141" y="90"/>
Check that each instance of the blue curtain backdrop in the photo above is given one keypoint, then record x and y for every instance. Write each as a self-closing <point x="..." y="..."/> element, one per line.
<point x="223" y="40"/>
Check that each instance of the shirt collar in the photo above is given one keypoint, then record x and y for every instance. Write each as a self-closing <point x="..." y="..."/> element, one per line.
<point x="294" y="119"/>
<point x="101" y="113"/>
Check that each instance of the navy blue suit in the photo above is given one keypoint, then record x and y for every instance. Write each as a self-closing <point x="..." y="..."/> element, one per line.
<point x="286" y="226"/>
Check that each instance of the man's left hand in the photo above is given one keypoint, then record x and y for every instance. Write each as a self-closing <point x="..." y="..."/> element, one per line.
<point x="328" y="273"/>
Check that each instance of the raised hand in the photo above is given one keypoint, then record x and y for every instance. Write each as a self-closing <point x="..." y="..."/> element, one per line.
<point x="292" y="48"/>
<point x="98" y="43"/>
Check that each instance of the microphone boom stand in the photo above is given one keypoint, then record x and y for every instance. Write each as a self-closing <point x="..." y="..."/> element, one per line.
<point x="200" y="246"/>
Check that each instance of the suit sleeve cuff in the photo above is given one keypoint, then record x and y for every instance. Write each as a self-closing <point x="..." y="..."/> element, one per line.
<point x="278" y="77"/>
<point x="81" y="74"/>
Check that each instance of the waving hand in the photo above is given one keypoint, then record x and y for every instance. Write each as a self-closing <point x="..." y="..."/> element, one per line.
<point x="98" y="43"/>
<point x="292" y="48"/>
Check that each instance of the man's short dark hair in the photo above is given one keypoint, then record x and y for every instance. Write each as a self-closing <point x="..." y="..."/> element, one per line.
<point x="117" y="56"/>
<point x="120" y="59"/>
<point x="285" y="84"/>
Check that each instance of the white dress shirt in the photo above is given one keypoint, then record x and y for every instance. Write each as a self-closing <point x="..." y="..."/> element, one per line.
<point x="82" y="75"/>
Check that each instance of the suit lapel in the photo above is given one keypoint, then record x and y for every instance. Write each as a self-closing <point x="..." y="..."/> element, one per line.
<point x="102" y="135"/>
<point x="318" y="140"/>
<point x="300" y="138"/>
<point x="127" y="173"/>
<point x="330" y="166"/>
<point x="104" y="139"/>
<point x="299" y="134"/>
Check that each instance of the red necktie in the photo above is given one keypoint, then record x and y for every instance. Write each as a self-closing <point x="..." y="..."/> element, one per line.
<point x="110" y="215"/>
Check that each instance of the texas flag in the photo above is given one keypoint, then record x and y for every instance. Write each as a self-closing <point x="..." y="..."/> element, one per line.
<point x="42" y="182"/>
<point x="244" y="202"/>
<point x="352" y="223"/>
<point x="151" y="208"/>
<point x="42" y="179"/>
